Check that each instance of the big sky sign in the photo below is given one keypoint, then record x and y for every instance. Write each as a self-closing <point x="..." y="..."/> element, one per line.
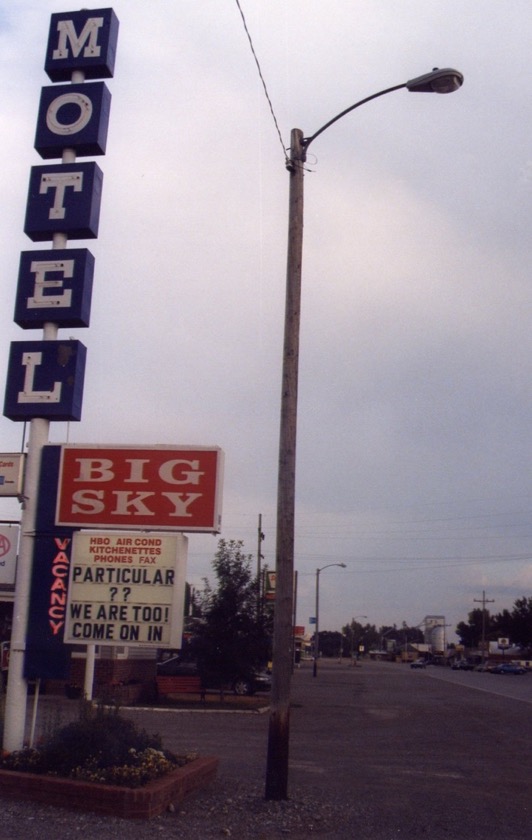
<point x="164" y="487"/>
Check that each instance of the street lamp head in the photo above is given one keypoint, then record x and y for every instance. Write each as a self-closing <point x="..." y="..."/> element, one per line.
<point x="328" y="566"/>
<point x="438" y="81"/>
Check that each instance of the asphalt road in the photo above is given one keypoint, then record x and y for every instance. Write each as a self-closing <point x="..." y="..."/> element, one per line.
<point x="518" y="688"/>
<point x="429" y="754"/>
<point x="425" y="753"/>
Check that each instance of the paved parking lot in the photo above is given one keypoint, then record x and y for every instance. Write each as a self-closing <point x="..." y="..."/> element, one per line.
<point x="420" y="751"/>
<point x="398" y="753"/>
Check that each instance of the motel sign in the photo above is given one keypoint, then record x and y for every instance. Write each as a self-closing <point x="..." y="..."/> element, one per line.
<point x="125" y="488"/>
<point x="45" y="378"/>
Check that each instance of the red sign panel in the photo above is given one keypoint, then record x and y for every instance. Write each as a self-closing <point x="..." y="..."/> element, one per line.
<point x="161" y="487"/>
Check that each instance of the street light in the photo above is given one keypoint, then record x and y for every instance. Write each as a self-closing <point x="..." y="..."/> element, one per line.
<point x="317" y="630"/>
<point x="438" y="81"/>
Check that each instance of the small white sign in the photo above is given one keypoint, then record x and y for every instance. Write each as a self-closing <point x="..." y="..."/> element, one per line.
<point x="126" y="589"/>
<point x="9" y="535"/>
<point x="11" y="474"/>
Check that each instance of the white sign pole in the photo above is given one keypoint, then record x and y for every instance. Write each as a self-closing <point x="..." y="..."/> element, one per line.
<point x="16" y="695"/>
<point x="90" y="660"/>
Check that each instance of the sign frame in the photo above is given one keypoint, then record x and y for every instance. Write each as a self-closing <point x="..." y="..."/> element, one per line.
<point x="11" y="473"/>
<point x="126" y="589"/>
<point x="135" y="487"/>
<point x="45" y="379"/>
<point x="9" y="542"/>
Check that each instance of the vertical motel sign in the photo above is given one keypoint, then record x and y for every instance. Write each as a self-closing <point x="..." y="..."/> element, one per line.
<point x="45" y="378"/>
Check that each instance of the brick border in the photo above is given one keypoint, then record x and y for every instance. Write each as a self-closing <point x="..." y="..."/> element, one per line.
<point x="130" y="803"/>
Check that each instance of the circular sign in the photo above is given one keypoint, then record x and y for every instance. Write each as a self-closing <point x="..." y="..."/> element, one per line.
<point x="5" y="545"/>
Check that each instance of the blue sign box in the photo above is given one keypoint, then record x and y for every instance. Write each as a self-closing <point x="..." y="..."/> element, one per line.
<point x="73" y="116"/>
<point x="85" y="41"/>
<point x="64" y="198"/>
<point x="54" y="286"/>
<point x="45" y="379"/>
<point x="46" y="654"/>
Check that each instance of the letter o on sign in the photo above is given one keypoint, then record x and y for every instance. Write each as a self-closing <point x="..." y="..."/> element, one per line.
<point x="85" y="113"/>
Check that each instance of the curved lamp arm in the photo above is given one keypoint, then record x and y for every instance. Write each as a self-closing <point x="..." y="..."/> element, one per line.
<point x="342" y="566"/>
<point x="437" y="81"/>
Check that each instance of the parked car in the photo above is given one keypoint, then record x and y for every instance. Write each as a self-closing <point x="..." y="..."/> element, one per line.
<point x="176" y="666"/>
<point x="507" y="668"/>
<point x="462" y="665"/>
<point x="418" y="663"/>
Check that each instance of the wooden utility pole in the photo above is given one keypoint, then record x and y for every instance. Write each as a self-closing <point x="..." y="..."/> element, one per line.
<point x="484" y="601"/>
<point x="279" y="727"/>
<point x="260" y="537"/>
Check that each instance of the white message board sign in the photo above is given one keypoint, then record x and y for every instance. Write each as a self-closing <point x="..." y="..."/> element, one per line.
<point x="126" y="589"/>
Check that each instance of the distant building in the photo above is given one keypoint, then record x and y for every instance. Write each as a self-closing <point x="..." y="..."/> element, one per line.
<point x="434" y="633"/>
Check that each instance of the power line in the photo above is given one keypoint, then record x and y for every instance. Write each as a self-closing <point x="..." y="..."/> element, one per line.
<point x="262" y="80"/>
<point x="484" y="601"/>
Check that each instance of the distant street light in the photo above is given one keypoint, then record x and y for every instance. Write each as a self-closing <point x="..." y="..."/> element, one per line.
<point x="438" y="81"/>
<point x="317" y="631"/>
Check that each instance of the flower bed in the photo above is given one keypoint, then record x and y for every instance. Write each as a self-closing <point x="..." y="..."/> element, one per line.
<point x="132" y="803"/>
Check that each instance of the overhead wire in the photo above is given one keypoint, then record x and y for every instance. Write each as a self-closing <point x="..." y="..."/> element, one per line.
<point x="262" y="80"/>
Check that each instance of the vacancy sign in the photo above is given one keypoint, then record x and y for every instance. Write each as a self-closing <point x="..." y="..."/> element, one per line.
<point x="160" y="487"/>
<point x="126" y="589"/>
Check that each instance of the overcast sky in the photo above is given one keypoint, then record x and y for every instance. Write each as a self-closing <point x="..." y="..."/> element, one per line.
<point x="414" y="452"/>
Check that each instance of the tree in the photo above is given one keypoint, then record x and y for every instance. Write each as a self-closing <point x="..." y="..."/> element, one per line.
<point x="502" y="624"/>
<point x="403" y="635"/>
<point x="388" y="637"/>
<point x="231" y="639"/>
<point x="411" y="635"/>
<point x="515" y="625"/>
<point x="470" y="633"/>
<point x="356" y="634"/>
<point x="520" y="623"/>
<point x="330" y="643"/>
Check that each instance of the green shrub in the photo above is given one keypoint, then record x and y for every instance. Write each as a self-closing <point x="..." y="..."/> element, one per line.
<point x="100" y="746"/>
<point x="101" y="736"/>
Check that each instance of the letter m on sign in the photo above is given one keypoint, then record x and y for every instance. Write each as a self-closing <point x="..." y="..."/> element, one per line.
<point x="83" y="41"/>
